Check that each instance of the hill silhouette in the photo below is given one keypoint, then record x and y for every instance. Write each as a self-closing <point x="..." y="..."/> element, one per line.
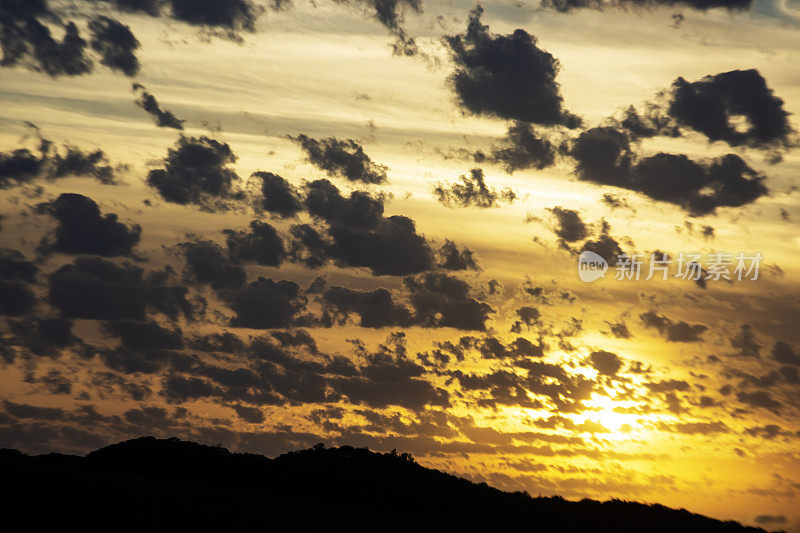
<point x="150" y="484"/>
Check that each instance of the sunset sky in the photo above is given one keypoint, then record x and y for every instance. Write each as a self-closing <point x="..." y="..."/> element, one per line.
<point x="272" y="224"/>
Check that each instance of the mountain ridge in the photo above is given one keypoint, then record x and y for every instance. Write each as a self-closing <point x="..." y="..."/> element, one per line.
<point x="172" y="483"/>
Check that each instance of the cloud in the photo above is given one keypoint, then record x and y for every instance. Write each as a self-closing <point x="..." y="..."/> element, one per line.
<point x="82" y="229"/>
<point x="767" y="519"/>
<point x="280" y="197"/>
<point x="234" y="15"/>
<point x="506" y="76"/>
<point x="249" y="414"/>
<point x="342" y="158"/>
<point x="27" y="42"/>
<point x="392" y="247"/>
<point x="95" y="288"/>
<point x="22" y="166"/>
<point x="15" y="266"/>
<point x="376" y="308"/>
<point x="619" y="330"/>
<point x="359" y="210"/>
<point x="606" y="363"/>
<point x="116" y="44"/>
<point x="783" y="353"/>
<point x="264" y="304"/>
<point x="673" y="331"/>
<point x="164" y="117"/>
<point x="196" y="171"/>
<point x="147" y="7"/>
<point x="569" y="5"/>
<point x="261" y="245"/>
<point x="16" y="298"/>
<point x="450" y="257"/>
<point x="605" y="246"/>
<point x="387" y="13"/>
<point x="440" y="300"/>
<point x="711" y="105"/>
<point x="745" y="342"/>
<point x="143" y="336"/>
<point x="570" y="226"/>
<point x="209" y="263"/>
<point x="523" y="148"/>
<point x="472" y="191"/>
<point x="759" y="399"/>
<point x="44" y="336"/>
<point x="603" y="155"/>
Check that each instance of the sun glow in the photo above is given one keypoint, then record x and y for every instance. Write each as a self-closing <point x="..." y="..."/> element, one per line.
<point x="605" y="411"/>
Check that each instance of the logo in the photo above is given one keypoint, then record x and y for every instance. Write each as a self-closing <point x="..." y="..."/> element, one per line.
<point x="591" y="267"/>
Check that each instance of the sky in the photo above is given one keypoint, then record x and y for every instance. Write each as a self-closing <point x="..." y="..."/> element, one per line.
<point x="270" y="225"/>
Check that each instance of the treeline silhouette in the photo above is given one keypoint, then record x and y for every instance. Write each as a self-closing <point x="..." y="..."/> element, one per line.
<point x="150" y="484"/>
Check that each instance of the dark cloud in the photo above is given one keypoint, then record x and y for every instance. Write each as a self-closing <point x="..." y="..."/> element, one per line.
<point x="570" y="227"/>
<point x="342" y="159"/>
<point x="209" y="263"/>
<point x="234" y="15"/>
<point x="22" y="410"/>
<point x="148" y="7"/>
<point x="249" y="414"/>
<point x="606" y="363"/>
<point x="280" y="197"/>
<point x="506" y="76"/>
<point x="712" y="104"/>
<point x="650" y="124"/>
<point x="360" y="210"/>
<point x="673" y="331"/>
<point x="783" y="353"/>
<point x="197" y="171"/>
<point x="43" y="336"/>
<point x="440" y="300"/>
<point x="221" y="18"/>
<point x="27" y="42"/>
<point x="264" y="304"/>
<point x="375" y="309"/>
<point x="16" y="298"/>
<point x="605" y="246"/>
<point x="22" y="166"/>
<point x="450" y="257"/>
<point x="389" y="377"/>
<point x="528" y="315"/>
<point x="523" y="147"/>
<point x="603" y="155"/>
<point x="619" y="330"/>
<point x="569" y="5"/>
<point x="15" y="266"/>
<point x="745" y="342"/>
<point x="82" y="229"/>
<point x="116" y="45"/>
<point x="261" y="245"/>
<point x="676" y="179"/>
<point x="472" y="191"/>
<point x="225" y="342"/>
<point x="96" y="288"/>
<point x="392" y="248"/>
<point x="388" y="13"/>
<point x="164" y="117"/>
<point x="767" y="519"/>
<point x="759" y="399"/>
<point x="138" y="336"/>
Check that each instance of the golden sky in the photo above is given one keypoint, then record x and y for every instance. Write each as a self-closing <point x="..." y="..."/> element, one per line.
<point x="328" y="222"/>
